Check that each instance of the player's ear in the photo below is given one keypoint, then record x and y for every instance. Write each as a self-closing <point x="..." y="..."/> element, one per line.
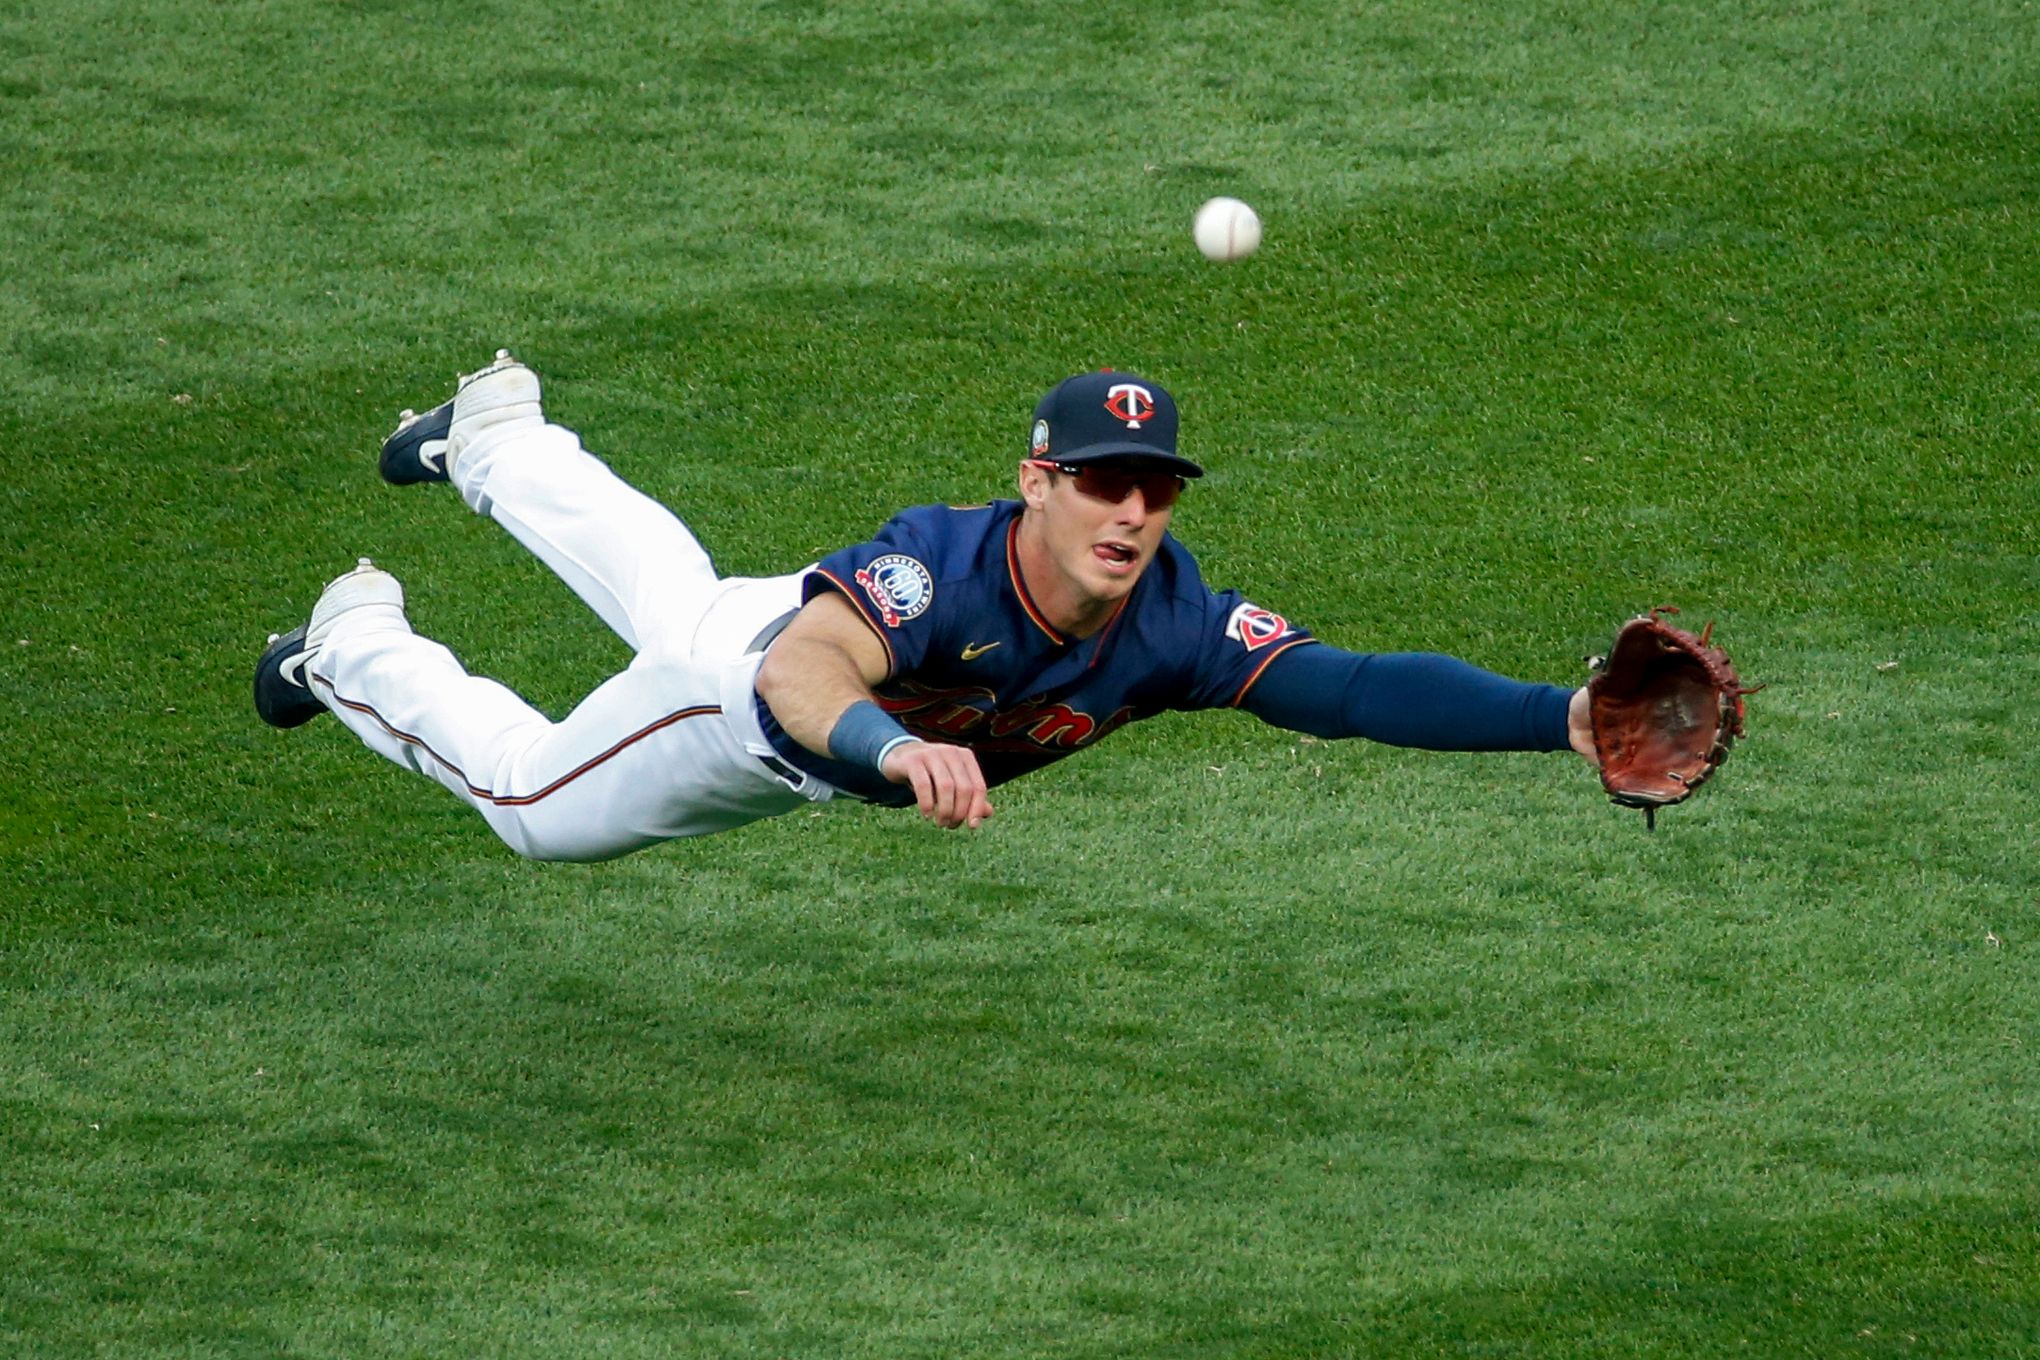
<point x="1033" y="484"/>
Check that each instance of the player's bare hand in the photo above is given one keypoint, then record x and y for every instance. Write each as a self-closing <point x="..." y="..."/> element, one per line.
<point x="1579" y="726"/>
<point x="946" y="780"/>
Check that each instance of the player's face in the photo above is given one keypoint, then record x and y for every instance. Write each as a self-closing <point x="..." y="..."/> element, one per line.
<point x="1100" y="525"/>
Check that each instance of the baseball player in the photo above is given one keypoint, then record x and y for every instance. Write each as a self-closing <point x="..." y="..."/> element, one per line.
<point x="957" y="649"/>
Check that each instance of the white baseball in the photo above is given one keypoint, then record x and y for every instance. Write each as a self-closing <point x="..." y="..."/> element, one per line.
<point x="1227" y="229"/>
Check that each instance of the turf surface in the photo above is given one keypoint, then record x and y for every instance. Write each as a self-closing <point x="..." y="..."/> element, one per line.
<point x="1212" y="1043"/>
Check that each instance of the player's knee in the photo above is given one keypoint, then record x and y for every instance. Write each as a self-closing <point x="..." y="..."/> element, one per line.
<point x="551" y="853"/>
<point x="544" y="840"/>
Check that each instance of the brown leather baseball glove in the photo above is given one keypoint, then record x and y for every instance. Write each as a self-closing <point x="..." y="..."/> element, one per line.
<point x="1666" y="706"/>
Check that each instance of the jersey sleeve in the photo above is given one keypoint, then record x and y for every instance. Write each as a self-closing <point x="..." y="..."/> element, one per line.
<point x="891" y="581"/>
<point x="1420" y="699"/>
<point x="1235" y="641"/>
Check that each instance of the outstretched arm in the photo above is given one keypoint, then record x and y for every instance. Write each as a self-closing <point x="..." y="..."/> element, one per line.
<point x="817" y="679"/>
<point x="1419" y="699"/>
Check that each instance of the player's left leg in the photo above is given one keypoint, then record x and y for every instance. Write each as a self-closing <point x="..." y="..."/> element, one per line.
<point x="669" y="748"/>
<point x="629" y="557"/>
<point x="283" y="689"/>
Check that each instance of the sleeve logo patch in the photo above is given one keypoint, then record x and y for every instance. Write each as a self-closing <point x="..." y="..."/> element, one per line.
<point x="1254" y="627"/>
<point x="899" y="588"/>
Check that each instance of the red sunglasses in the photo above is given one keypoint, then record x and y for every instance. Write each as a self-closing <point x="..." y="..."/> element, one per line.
<point x="1114" y="484"/>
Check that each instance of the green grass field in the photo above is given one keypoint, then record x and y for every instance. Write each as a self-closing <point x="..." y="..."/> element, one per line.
<point x="1214" y="1043"/>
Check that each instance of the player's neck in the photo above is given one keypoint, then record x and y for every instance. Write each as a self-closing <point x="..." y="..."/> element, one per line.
<point x="1069" y="608"/>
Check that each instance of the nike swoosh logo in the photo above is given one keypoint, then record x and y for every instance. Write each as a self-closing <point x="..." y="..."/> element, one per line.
<point x="293" y="670"/>
<point x="432" y="453"/>
<point x="972" y="652"/>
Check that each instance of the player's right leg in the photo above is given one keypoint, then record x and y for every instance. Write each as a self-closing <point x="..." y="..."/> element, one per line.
<point x="627" y="556"/>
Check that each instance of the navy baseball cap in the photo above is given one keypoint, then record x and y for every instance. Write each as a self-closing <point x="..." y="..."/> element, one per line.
<point x="1106" y="415"/>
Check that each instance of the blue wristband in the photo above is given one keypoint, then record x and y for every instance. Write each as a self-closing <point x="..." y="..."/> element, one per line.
<point x="866" y="734"/>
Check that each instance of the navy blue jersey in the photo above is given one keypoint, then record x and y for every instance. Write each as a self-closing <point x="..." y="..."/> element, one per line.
<point x="974" y="662"/>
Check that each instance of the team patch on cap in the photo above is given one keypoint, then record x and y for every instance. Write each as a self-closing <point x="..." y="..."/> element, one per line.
<point x="1040" y="441"/>
<point x="1254" y="627"/>
<point x="899" y="587"/>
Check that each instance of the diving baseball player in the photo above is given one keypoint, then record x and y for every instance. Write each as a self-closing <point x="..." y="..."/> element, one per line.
<point x="957" y="649"/>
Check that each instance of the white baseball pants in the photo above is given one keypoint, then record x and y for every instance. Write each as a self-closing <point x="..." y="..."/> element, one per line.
<point x="671" y="747"/>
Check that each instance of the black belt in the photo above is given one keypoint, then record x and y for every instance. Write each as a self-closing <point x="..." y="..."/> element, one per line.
<point x="770" y="631"/>
<point x="794" y="778"/>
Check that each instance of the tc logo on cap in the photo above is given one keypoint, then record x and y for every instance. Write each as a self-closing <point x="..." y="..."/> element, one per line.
<point x="1130" y="402"/>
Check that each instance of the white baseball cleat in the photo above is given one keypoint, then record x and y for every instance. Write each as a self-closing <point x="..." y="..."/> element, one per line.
<point x="366" y="585"/>
<point x="283" y="692"/>
<point x="420" y="449"/>
<point x="505" y="393"/>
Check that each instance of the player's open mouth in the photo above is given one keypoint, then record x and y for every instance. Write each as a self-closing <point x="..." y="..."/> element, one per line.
<point x="1116" y="555"/>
